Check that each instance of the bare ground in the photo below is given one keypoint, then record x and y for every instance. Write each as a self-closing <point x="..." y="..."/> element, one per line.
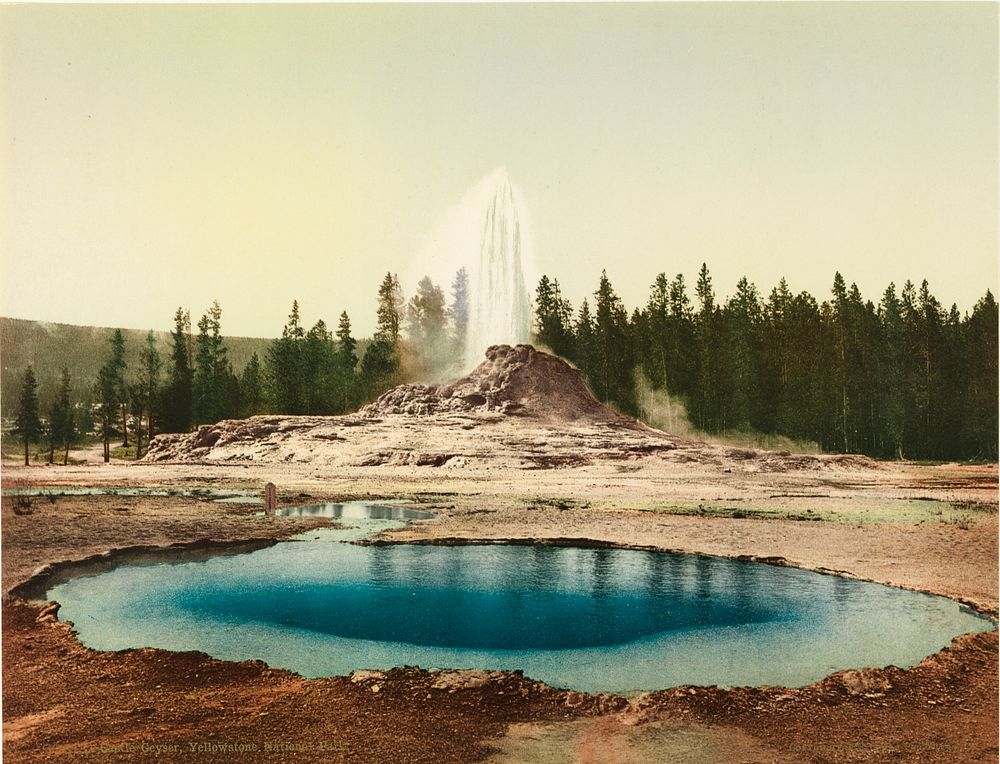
<point x="929" y="528"/>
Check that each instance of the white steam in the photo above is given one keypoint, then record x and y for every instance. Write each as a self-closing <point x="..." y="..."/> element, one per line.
<point x="488" y="235"/>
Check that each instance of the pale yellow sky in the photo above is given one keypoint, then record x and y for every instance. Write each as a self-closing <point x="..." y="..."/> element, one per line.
<point x="164" y="155"/>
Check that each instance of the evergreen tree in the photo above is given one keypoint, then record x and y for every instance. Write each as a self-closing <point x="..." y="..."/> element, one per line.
<point x="346" y="344"/>
<point x="106" y="392"/>
<point x="709" y="401"/>
<point x="680" y="369"/>
<point x="145" y="392"/>
<point x="347" y="362"/>
<point x="864" y="381"/>
<point x="930" y="326"/>
<point x="553" y="318"/>
<point x="775" y="360"/>
<point x="252" y="387"/>
<point x="318" y="367"/>
<point x="742" y="325"/>
<point x="612" y="377"/>
<point x="285" y="372"/>
<point x="802" y="413"/>
<point x="137" y="410"/>
<point x="584" y="342"/>
<point x="655" y="332"/>
<point x="378" y="367"/>
<point x="390" y="309"/>
<point x="914" y="397"/>
<point x="840" y="320"/>
<point x="62" y="425"/>
<point x="27" y="424"/>
<point x="979" y="349"/>
<point x="427" y="324"/>
<point x="890" y="390"/>
<point x="951" y="389"/>
<point x="176" y="401"/>
<point x="214" y="384"/>
<point x="118" y="369"/>
<point x="460" y="311"/>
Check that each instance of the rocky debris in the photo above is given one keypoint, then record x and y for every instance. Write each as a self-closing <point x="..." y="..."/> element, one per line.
<point x="867" y="682"/>
<point x="464" y="680"/>
<point x="365" y="676"/>
<point x="513" y="381"/>
<point x="49" y="613"/>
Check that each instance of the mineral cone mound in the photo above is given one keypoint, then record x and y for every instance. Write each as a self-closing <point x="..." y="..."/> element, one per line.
<point x="520" y="408"/>
<point x="512" y="381"/>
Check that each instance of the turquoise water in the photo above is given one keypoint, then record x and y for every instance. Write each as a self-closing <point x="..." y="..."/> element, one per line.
<point x="586" y="619"/>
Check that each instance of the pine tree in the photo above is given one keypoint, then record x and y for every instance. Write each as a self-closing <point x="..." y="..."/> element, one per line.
<point x="147" y="391"/>
<point x="930" y="322"/>
<point x="802" y="415"/>
<point x="912" y="394"/>
<point x="680" y="371"/>
<point x="284" y="363"/>
<point x="213" y="384"/>
<point x="742" y="317"/>
<point x="378" y="367"/>
<point x="427" y="323"/>
<point x="864" y="381"/>
<point x="776" y="358"/>
<point x="979" y="418"/>
<point x="176" y="401"/>
<point x="118" y="368"/>
<point x="346" y="344"/>
<point x="655" y="327"/>
<point x="840" y="320"/>
<point x="27" y="424"/>
<point x="584" y="341"/>
<point x="708" y="403"/>
<point x="106" y="392"/>
<point x="252" y="387"/>
<point x="892" y="404"/>
<point x="612" y="377"/>
<point x="318" y="369"/>
<point x="62" y="426"/>
<point x="347" y="362"/>
<point x="952" y="379"/>
<point x="137" y="409"/>
<point x="390" y="309"/>
<point x="553" y="318"/>
<point x="460" y="311"/>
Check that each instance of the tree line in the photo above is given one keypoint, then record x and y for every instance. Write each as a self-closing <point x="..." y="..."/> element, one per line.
<point x="312" y="371"/>
<point x="903" y="378"/>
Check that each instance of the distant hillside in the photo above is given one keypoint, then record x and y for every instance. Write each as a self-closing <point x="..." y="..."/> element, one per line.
<point x="83" y="349"/>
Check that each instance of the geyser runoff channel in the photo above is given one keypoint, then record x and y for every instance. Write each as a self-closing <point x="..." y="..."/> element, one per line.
<point x="499" y="311"/>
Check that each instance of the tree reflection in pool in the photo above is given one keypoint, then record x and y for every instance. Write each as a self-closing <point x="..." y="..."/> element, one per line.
<point x="586" y="619"/>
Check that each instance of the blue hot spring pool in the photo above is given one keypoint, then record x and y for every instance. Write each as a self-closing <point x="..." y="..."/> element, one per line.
<point x="586" y="619"/>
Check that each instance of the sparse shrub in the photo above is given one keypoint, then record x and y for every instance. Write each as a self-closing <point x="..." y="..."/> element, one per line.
<point x="22" y="505"/>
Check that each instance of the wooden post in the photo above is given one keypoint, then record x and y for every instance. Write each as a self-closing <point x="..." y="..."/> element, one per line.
<point x="270" y="499"/>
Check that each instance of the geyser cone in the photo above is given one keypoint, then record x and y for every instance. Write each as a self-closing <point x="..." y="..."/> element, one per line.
<point x="500" y="311"/>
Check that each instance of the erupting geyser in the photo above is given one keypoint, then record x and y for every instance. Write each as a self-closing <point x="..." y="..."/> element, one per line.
<point x="499" y="310"/>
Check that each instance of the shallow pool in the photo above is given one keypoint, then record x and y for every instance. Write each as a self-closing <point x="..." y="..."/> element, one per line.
<point x="586" y="619"/>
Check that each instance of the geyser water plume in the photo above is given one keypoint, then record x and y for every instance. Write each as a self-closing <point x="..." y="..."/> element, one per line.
<point x="499" y="310"/>
<point x="488" y="234"/>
